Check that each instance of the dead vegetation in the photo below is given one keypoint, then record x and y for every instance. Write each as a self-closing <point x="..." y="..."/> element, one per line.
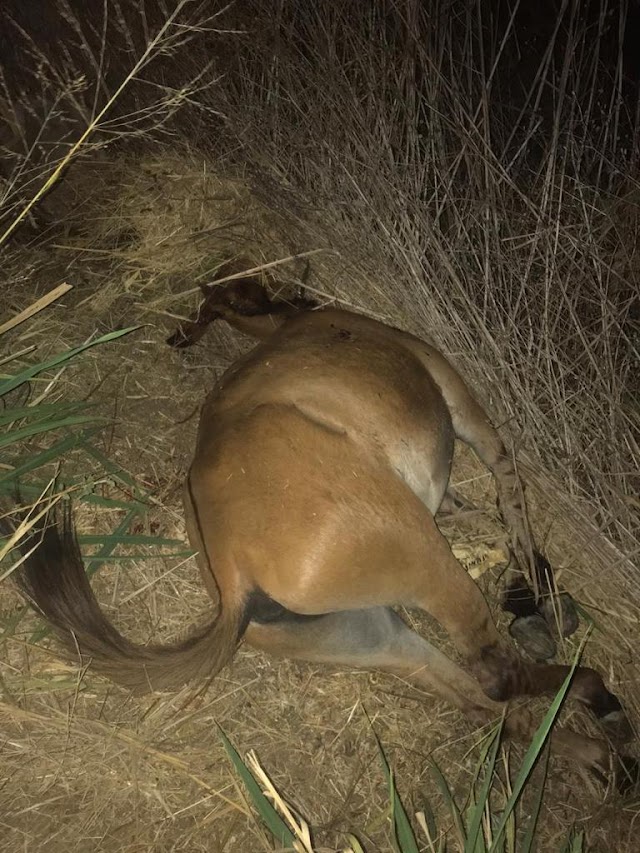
<point x="524" y="273"/>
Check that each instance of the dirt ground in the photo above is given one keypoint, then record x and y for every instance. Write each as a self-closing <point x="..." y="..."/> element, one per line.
<point x="86" y="767"/>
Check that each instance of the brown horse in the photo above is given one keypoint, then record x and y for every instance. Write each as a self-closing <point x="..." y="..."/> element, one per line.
<point x="322" y="458"/>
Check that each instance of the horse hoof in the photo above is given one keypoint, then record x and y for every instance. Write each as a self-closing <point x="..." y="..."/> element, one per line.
<point x="533" y="634"/>
<point x="627" y="775"/>
<point x="617" y="727"/>
<point x="560" y="613"/>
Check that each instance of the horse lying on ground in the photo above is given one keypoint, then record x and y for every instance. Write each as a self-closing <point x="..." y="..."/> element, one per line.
<point x="322" y="458"/>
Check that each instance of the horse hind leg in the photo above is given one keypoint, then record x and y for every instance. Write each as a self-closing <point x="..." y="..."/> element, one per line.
<point x="539" y="611"/>
<point x="448" y="593"/>
<point x="377" y="638"/>
<point x="372" y="638"/>
<point x="536" y="619"/>
<point x="529" y="628"/>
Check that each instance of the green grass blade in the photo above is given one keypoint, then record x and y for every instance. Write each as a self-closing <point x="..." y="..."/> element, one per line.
<point x="8" y="487"/>
<point x="403" y="838"/>
<point x="24" y="376"/>
<point x="430" y="826"/>
<point x="29" y="431"/>
<point x="536" y="747"/>
<point x="41" y="411"/>
<point x="500" y="846"/>
<point x="112" y="469"/>
<point x="270" y="817"/>
<point x="11" y="622"/>
<point x="94" y="562"/>
<point x="126" y="540"/>
<point x="58" y="450"/>
<point x="107" y="549"/>
<point x="114" y="503"/>
<point x="450" y="801"/>
<point x="577" y="842"/>
<point x="88" y="559"/>
<point x="404" y="835"/>
<point x="530" y="837"/>
<point x="475" y="822"/>
<point x="574" y="842"/>
<point x="97" y="560"/>
<point x="588" y="617"/>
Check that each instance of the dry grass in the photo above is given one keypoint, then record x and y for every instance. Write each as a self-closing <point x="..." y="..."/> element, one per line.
<point x="524" y="265"/>
<point x="433" y="213"/>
